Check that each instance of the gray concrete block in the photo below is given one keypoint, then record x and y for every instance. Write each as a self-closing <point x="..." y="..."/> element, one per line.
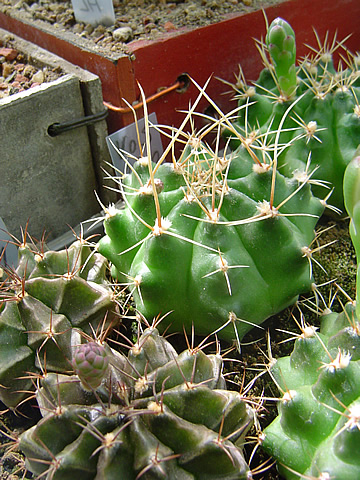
<point x="51" y="180"/>
<point x="91" y="91"/>
<point x="48" y="179"/>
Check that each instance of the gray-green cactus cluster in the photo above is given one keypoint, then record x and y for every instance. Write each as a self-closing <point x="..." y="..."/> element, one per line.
<point x="45" y="305"/>
<point x="152" y="414"/>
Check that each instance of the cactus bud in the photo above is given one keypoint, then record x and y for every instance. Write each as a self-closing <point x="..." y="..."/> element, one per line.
<point x="90" y="364"/>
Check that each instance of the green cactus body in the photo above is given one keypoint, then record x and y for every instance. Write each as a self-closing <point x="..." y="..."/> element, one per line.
<point x="215" y="253"/>
<point x="317" y="429"/>
<point x="176" y="420"/>
<point x="47" y="302"/>
<point x="352" y="203"/>
<point x="326" y="116"/>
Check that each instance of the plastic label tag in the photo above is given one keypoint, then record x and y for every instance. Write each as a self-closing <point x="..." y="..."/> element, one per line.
<point x="95" y="12"/>
<point x="8" y="251"/>
<point x="125" y="140"/>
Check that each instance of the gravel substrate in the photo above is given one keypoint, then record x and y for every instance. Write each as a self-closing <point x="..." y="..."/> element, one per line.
<point x="135" y="19"/>
<point x="17" y="71"/>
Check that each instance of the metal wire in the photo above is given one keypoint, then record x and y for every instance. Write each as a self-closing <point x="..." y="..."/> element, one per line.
<point x="58" y="128"/>
<point x="180" y="85"/>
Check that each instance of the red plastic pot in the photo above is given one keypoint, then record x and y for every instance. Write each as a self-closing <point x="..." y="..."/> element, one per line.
<point x="212" y="50"/>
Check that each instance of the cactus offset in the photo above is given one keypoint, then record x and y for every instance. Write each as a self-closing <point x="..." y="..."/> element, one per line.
<point x="155" y="415"/>
<point x="317" y="431"/>
<point x="326" y="117"/>
<point x="218" y="240"/>
<point x="46" y="303"/>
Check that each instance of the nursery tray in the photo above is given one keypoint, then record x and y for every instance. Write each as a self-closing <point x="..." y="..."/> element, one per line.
<point x="214" y="50"/>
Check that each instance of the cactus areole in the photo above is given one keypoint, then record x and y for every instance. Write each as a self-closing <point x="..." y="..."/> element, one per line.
<point x="217" y="240"/>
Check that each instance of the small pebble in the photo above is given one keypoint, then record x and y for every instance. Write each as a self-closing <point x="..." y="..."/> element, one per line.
<point x="122" y="34"/>
<point x="29" y="70"/>
<point x="38" y="77"/>
<point x="88" y="28"/>
<point x="7" y="69"/>
<point x="78" y="28"/>
<point x="9" y="53"/>
<point x="21" y="78"/>
<point x="169" y="26"/>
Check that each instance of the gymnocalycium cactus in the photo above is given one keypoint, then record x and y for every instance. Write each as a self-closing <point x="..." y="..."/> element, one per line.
<point x="327" y="115"/>
<point x="155" y="415"/>
<point x="220" y="240"/>
<point x="317" y="432"/>
<point x="45" y="303"/>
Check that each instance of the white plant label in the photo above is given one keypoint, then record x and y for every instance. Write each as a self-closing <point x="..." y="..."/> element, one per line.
<point x="124" y="143"/>
<point x="95" y="12"/>
<point x="8" y="251"/>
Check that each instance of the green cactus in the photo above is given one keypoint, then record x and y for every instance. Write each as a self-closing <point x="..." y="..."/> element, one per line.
<point x="45" y="304"/>
<point x="317" y="431"/>
<point x="326" y="117"/>
<point x="221" y="241"/>
<point x="155" y="415"/>
<point x="352" y="204"/>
